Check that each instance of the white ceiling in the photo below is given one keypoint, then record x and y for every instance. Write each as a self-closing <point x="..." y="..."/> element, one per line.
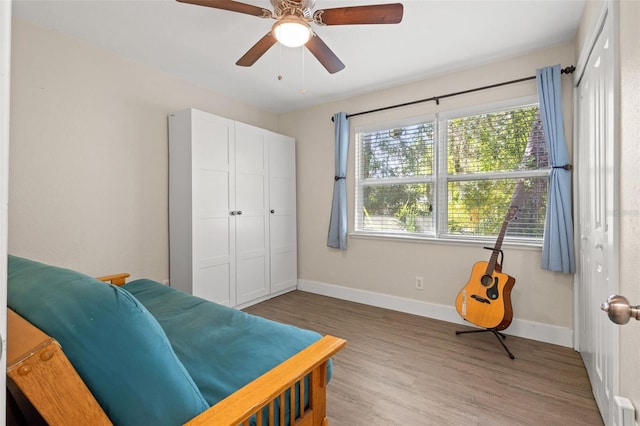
<point x="202" y="44"/>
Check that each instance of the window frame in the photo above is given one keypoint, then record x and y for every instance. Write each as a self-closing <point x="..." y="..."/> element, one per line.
<point x="440" y="177"/>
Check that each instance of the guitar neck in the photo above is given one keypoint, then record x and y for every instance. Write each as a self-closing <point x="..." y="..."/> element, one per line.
<point x="496" y="249"/>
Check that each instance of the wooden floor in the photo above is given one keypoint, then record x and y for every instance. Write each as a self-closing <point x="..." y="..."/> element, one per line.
<point x="401" y="369"/>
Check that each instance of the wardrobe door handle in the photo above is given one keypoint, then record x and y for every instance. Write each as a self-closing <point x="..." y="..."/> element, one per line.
<point x="232" y="213"/>
<point x="273" y="211"/>
<point x="239" y="212"/>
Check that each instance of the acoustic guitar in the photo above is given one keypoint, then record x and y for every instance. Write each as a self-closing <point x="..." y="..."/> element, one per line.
<point x="486" y="298"/>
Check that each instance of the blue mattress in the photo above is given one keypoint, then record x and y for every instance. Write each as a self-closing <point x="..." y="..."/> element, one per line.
<point x="222" y="348"/>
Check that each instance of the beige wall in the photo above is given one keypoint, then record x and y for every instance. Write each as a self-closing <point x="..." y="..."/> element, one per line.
<point x="88" y="165"/>
<point x="390" y="267"/>
<point x="630" y="194"/>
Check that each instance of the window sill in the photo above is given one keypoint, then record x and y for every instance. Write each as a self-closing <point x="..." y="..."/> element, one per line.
<point x="523" y="245"/>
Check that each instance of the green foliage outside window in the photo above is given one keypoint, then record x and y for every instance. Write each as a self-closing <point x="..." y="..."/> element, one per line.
<point x="503" y="141"/>
<point x="407" y="153"/>
<point x="409" y="206"/>
<point x="495" y="142"/>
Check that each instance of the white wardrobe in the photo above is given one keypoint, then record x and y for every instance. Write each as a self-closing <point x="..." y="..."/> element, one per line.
<point x="232" y="209"/>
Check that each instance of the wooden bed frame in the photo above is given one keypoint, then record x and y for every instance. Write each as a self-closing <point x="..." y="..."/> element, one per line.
<point x="39" y="368"/>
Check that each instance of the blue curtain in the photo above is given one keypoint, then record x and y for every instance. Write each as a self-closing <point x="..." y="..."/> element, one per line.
<point x="338" y="223"/>
<point x="557" y="249"/>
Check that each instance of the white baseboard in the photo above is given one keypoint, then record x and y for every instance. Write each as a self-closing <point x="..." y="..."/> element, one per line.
<point x="531" y="330"/>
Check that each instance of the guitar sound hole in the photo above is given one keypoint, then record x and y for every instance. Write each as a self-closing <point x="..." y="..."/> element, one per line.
<point x="486" y="280"/>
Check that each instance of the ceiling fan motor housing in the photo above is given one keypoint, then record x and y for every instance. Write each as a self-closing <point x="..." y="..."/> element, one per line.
<point x="301" y="8"/>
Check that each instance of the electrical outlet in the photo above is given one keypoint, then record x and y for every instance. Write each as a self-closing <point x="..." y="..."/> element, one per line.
<point x="419" y="283"/>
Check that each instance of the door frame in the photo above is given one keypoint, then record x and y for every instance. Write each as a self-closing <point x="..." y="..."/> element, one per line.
<point x="5" y="85"/>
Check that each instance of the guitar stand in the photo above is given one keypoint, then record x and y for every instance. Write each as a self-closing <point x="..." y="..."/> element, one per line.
<point x="499" y="336"/>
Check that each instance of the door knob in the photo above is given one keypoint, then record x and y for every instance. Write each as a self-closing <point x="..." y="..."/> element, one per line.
<point x="273" y="211"/>
<point x="619" y="310"/>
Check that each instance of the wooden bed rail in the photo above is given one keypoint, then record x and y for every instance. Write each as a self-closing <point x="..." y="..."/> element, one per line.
<point x="39" y="368"/>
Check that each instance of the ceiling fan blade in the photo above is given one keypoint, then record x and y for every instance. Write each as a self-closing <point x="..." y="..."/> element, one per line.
<point x="373" y="14"/>
<point x="257" y="50"/>
<point x="324" y="55"/>
<point x="233" y="6"/>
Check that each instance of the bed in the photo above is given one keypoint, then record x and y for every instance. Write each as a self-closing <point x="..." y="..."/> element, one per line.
<point x="144" y="353"/>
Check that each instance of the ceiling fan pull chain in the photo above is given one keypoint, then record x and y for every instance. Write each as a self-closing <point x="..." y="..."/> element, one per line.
<point x="279" y="62"/>
<point x="302" y="91"/>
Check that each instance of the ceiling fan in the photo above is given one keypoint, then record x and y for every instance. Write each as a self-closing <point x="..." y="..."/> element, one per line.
<point x="293" y="29"/>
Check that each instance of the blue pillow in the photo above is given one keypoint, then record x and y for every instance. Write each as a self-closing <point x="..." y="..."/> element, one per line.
<point x="114" y="343"/>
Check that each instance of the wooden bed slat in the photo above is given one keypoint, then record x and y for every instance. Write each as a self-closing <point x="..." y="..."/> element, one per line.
<point x="282" y="401"/>
<point x="271" y="412"/>
<point x="301" y="399"/>
<point x="292" y="401"/>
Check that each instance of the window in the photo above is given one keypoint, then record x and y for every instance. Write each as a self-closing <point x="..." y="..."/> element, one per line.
<point x="454" y="176"/>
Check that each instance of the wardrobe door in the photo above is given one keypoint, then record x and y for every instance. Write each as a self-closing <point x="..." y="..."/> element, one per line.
<point x="251" y="213"/>
<point x="213" y="226"/>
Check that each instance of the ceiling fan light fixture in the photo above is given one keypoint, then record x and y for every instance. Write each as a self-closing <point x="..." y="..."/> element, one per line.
<point x="292" y="31"/>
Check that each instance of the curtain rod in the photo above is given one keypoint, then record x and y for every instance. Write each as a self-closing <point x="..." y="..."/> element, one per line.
<point x="567" y="70"/>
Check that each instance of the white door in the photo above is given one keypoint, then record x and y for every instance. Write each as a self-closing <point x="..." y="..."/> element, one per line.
<point x="597" y="201"/>
<point x="282" y="212"/>
<point x="251" y="207"/>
